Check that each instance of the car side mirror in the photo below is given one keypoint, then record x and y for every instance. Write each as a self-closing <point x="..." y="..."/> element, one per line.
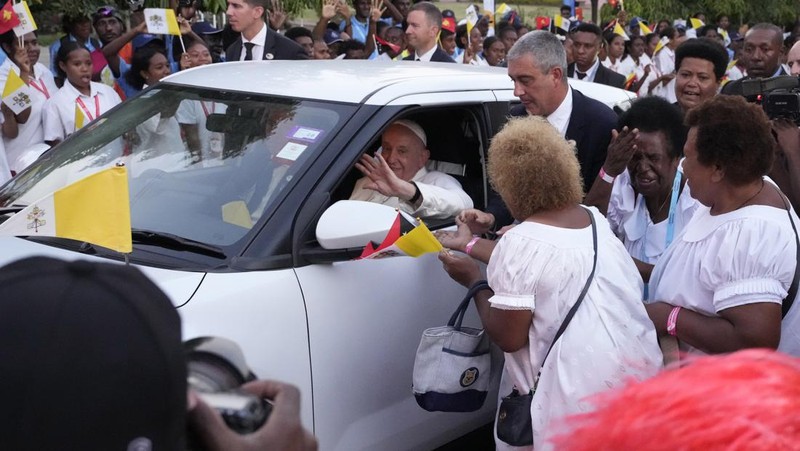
<point x="354" y="223"/>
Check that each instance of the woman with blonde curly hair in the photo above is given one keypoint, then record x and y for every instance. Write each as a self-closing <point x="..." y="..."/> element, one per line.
<point x="537" y="272"/>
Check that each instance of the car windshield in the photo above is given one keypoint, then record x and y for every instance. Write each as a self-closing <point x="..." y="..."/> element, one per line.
<point x="203" y="165"/>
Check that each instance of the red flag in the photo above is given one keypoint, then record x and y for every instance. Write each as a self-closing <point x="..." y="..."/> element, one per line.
<point x="8" y="18"/>
<point x="394" y="48"/>
<point x="400" y="227"/>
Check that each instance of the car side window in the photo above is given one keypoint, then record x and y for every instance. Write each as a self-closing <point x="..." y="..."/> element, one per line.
<point x="456" y="146"/>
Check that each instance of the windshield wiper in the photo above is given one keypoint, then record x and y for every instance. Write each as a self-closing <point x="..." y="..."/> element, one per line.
<point x="175" y="242"/>
<point x="12" y="209"/>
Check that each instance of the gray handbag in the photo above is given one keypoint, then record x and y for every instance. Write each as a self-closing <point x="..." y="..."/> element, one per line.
<point x="452" y="370"/>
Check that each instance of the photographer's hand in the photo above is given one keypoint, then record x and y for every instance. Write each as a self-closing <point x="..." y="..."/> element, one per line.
<point x="283" y="429"/>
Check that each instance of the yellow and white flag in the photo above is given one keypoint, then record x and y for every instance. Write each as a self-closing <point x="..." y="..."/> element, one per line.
<point x="502" y="9"/>
<point x="95" y="209"/>
<point x="618" y="30"/>
<point x="80" y="118"/>
<point x="16" y="94"/>
<point x="661" y="44"/>
<point x="26" y="22"/>
<point x="562" y="23"/>
<point x="695" y="23"/>
<point x="472" y="19"/>
<point x="161" y="21"/>
<point x="644" y="29"/>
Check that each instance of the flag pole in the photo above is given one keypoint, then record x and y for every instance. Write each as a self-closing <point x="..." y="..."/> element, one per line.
<point x="180" y="37"/>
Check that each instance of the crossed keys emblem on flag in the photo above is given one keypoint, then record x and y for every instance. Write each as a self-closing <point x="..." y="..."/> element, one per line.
<point x="21" y="100"/>
<point x="156" y="20"/>
<point x="36" y="217"/>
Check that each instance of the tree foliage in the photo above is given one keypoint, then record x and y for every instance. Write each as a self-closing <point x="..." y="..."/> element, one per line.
<point x="739" y="11"/>
<point x="83" y="7"/>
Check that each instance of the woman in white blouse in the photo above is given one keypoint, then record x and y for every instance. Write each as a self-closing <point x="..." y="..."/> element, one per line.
<point x="721" y="284"/>
<point x="641" y="188"/>
<point x="536" y="273"/>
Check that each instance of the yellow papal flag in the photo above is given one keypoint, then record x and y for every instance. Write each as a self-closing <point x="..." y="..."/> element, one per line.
<point x="644" y="29"/>
<point x="161" y="21"/>
<point x="80" y="118"/>
<point x="95" y="209"/>
<point x="621" y="31"/>
<point x="16" y="94"/>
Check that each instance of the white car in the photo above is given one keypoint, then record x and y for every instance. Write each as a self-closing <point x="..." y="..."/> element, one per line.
<point x="279" y="140"/>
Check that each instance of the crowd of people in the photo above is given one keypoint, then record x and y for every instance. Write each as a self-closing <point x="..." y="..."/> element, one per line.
<point x="674" y="223"/>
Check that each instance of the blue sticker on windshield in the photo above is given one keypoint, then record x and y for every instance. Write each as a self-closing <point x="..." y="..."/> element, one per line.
<point x="307" y="134"/>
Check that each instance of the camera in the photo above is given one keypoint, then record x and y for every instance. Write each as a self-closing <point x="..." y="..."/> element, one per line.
<point x="136" y="5"/>
<point x="779" y="96"/>
<point x="215" y="369"/>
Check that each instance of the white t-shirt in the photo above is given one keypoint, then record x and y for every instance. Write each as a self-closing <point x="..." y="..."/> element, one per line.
<point x="665" y="62"/>
<point x="59" y="112"/>
<point x="610" y="339"/>
<point x="733" y="259"/>
<point x="630" y="220"/>
<point x="32" y="131"/>
<point x="195" y="112"/>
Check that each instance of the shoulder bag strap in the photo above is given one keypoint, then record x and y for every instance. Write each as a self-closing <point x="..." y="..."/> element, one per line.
<point x="574" y="308"/>
<point x="458" y="315"/>
<point x="789" y="300"/>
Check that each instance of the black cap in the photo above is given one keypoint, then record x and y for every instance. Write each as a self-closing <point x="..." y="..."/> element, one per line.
<point x="90" y="358"/>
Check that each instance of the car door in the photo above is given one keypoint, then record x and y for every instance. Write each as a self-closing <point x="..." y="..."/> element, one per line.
<point x="365" y="320"/>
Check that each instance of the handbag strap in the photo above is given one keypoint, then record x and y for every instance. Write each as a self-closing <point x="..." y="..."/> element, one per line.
<point x="574" y="308"/>
<point x="458" y="316"/>
<point x="789" y="300"/>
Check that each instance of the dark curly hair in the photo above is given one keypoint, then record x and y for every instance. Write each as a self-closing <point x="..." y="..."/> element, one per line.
<point x="654" y="114"/>
<point x="734" y="135"/>
<point x="705" y="49"/>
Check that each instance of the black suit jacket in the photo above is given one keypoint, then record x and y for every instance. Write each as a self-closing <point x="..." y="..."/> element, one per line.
<point x="277" y="45"/>
<point x="604" y="76"/>
<point x="590" y="125"/>
<point x="439" y="56"/>
<point x="734" y="88"/>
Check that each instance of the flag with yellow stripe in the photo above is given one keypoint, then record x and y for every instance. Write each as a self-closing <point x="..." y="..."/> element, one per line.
<point x="161" y="21"/>
<point x="95" y="209"/>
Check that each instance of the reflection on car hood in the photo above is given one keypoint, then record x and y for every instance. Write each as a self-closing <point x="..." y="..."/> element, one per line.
<point x="178" y="285"/>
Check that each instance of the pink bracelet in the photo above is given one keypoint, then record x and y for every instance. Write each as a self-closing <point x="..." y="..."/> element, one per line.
<point x="468" y="247"/>
<point x="672" y="321"/>
<point x="606" y="178"/>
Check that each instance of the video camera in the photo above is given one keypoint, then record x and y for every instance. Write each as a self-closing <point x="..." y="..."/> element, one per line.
<point x="779" y="96"/>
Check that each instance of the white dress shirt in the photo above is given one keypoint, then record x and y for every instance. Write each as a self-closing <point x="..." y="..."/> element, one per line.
<point x="259" y="40"/>
<point x="426" y="57"/>
<point x="590" y="73"/>
<point x="560" y="117"/>
<point x="59" y="111"/>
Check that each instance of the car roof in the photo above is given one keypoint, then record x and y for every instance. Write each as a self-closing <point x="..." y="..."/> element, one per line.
<point x="341" y="81"/>
<point x="359" y="81"/>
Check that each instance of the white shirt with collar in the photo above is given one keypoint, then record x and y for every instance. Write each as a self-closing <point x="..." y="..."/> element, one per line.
<point x="31" y="132"/>
<point x="58" y="118"/>
<point x="426" y="57"/>
<point x="560" y="117"/>
<point x="665" y="62"/>
<point x="442" y="195"/>
<point x="260" y="40"/>
<point x="589" y="73"/>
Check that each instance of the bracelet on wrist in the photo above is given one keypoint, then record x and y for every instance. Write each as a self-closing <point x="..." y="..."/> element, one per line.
<point x="605" y="177"/>
<point x="468" y="247"/>
<point x="416" y="195"/>
<point x="672" y="321"/>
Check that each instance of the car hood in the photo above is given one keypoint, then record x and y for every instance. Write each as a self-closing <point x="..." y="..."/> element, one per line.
<point x="178" y="285"/>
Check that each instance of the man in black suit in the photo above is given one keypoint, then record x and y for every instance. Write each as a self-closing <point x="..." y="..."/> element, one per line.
<point x="257" y="41"/>
<point x="537" y="64"/>
<point x="586" y="40"/>
<point x="424" y="22"/>
<point x="762" y="51"/>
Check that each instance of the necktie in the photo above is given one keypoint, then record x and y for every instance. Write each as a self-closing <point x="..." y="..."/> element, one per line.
<point x="248" y="53"/>
<point x="581" y="75"/>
